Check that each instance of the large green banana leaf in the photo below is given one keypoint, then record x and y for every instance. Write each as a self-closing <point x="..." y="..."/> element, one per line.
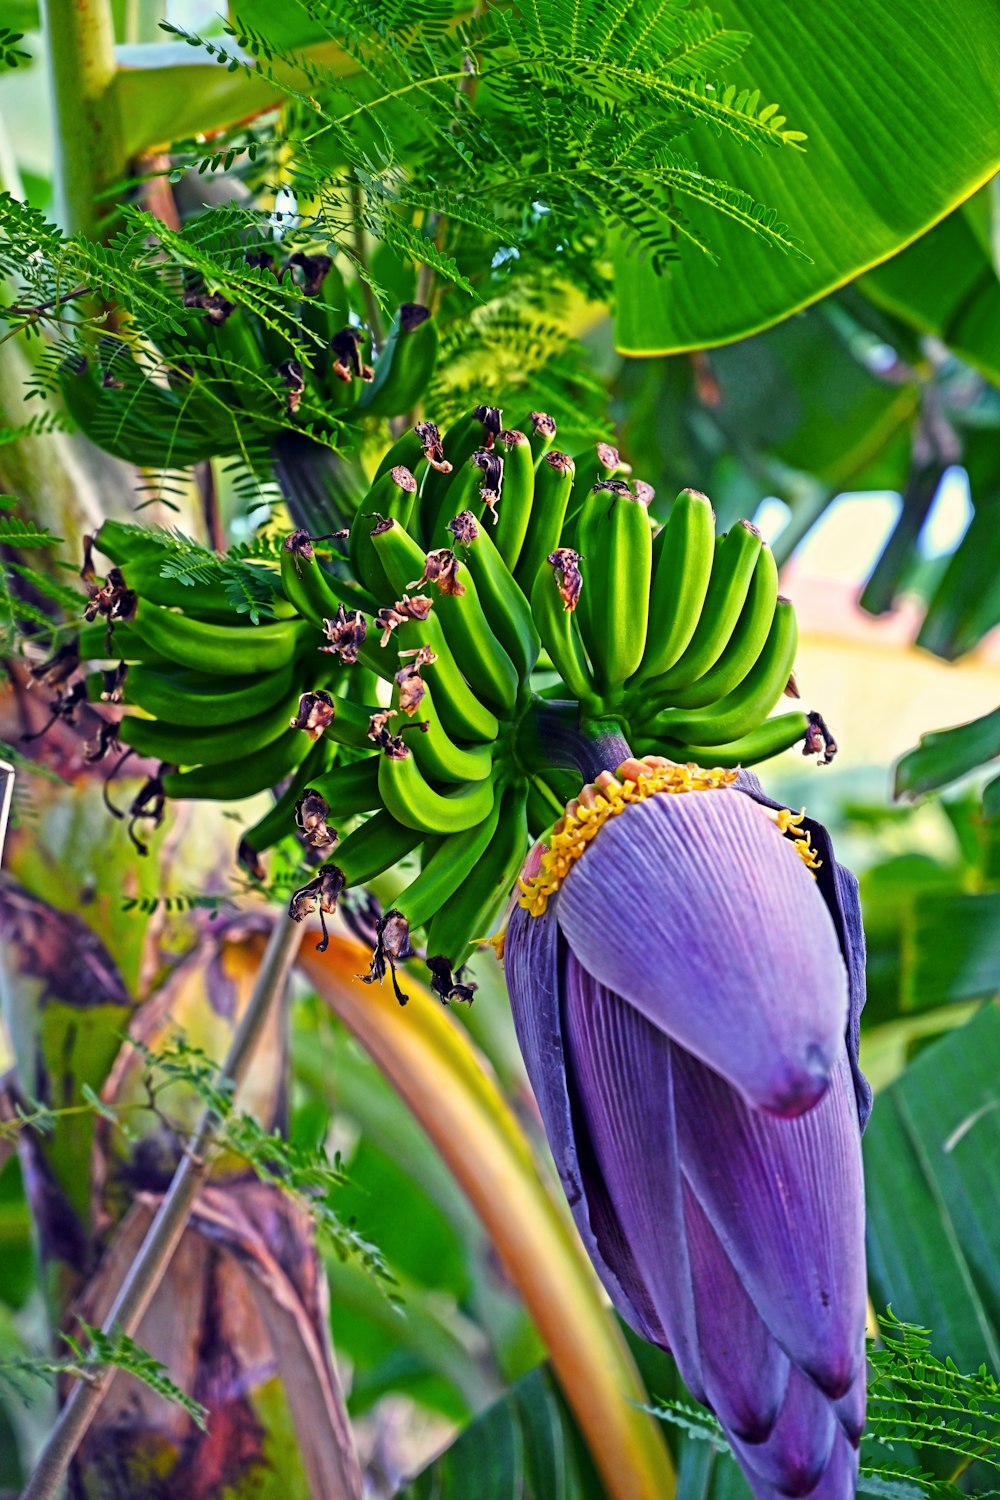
<point x="902" y="108"/>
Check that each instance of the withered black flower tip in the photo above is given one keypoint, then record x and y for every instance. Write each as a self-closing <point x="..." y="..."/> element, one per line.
<point x="491" y="465"/>
<point x="345" y="347"/>
<point x="317" y="711"/>
<point x="62" y="707"/>
<point x="819" y="740"/>
<point x="106" y="741"/>
<point x="749" y="526"/>
<point x="149" y="803"/>
<point x="446" y="985"/>
<point x="314" y="270"/>
<point x="323" y="890"/>
<point x="409" y="681"/>
<point x="248" y="859"/>
<point x="311" y="814"/>
<point x="261" y="260"/>
<point x="511" y="436"/>
<point x="411" y="315"/>
<point x="433" y="448"/>
<point x="410" y="607"/>
<point x="59" y="666"/>
<point x="87" y="571"/>
<point x="346" y="634"/>
<point x="463" y="528"/>
<point x="492" y="419"/>
<point x="561" y="462"/>
<point x="565" y="564"/>
<point x="392" y="945"/>
<point x="291" y="377"/>
<point x="113" y="679"/>
<point x="214" y="305"/>
<point x="115" y="601"/>
<point x="390" y="744"/>
<point x="402" y="477"/>
<point x="543" y="424"/>
<point x="299" y="544"/>
<point x="441" y="567"/>
<point x="382" y="523"/>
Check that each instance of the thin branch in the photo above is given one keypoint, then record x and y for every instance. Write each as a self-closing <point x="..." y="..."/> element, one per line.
<point x="164" y="1233"/>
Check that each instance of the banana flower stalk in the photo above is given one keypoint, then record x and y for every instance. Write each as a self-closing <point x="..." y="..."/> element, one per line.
<point x="685" y="966"/>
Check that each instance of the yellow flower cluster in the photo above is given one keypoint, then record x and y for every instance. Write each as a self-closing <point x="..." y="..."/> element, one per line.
<point x="605" y="799"/>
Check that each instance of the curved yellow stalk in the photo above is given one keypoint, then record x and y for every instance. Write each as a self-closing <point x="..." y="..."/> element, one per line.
<point x="442" y="1078"/>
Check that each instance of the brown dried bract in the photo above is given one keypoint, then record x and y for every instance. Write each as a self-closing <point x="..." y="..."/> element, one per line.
<point x="299" y="544"/>
<point x="316" y="713"/>
<point x="791" y="689"/>
<point x="410" y="607"/>
<point x="106" y="742"/>
<point x="314" y="270"/>
<point x="346" y="634"/>
<point x="311" y="813"/>
<point x="322" y="892"/>
<point x="433" y="448"/>
<point x="463" y="528"/>
<point x="291" y="377"/>
<point x="491" y="465"/>
<point x="402" y="477"/>
<point x="441" y="567"/>
<point x="566" y="566"/>
<point x="561" y="462"/>
<point x="445" y="984"/>
<point x="392" y="945"/>
<point x="819" y="739"/>
<point x="609" y="457"/>
<point x="644" y="493"/>
<point x="409" y="681"/>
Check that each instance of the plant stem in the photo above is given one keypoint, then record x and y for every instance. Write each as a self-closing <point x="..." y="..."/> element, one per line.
<point x="164" y="1233"/>
<point x="90" y="154"/>
<point x="371" y="305"/>
<point x="553" y="734"/>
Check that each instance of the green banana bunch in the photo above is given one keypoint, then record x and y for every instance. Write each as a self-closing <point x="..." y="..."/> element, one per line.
<point x="400" y="703"/>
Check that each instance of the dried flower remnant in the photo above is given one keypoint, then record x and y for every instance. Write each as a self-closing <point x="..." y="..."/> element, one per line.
<point x="316" y="712"/>
<point x="409" y="681"/>
<point x="492" y="419"/>
<point x="114" y="600"/>
<point x="410" y="607"/>
<point x="819" y="739"/>
<point x="314" y="269"/>
<point x="311" y="814"/>
<point x="291" y="377"/>
<point x="565" y="563"/>
<point x="463" y="528"/>
<point x="321" y="893"/>
<point x="644" y="493"/>
<point x="447" y="985"/>
<point x="346" y="634"/>
<point x="542" y="425"/>
<point x="441" y="567"/>
<point x="433" y="448"/>
<point x="105" y="743"/>
<point x="345" y="347"/>
<point x="112" y="683"/>
<point x="392" y="945"/>
<point x="59" y="667"/>
<point x="489" y="462"/>
<point x="379" y="733"/>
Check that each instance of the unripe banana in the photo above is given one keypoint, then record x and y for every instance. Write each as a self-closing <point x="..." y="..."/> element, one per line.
<point x="768" y="739"/>
<point x="617" y="545"/>
<point x="449" y="864"/>
<point x="122" y="643"/>
<point x="748" y="704"/>
<point x="465" y="437"/>
<point x="732" y="569"/>
<point x="184" y="745"/>
<point x="412" y="800"/>
<point x="683" y="553"/>
<point x="419" y="448"/>
<point x="554" y="475"/>
<point x="279" y="821"/>
<point x="476" y="649"/>
<point x="505" y="606"/>
<point x="462" y="714"/>
<point x="599" y="465"/>
<point x="516" y="495"/>
<point x="374" y="847"/>
<point x="540" y="430"/>
<point x="245" y="776"/>
<point x="405" y="366"/>
<point x="391" y="498"/>
<point x="477" y="903"/>
<point x="554" y="614"/>
<point x="348" y="789"/>
<point x="124" y="543"/>
<point x="207" y="647"/>
<point x="438" y="757"/>
<point x="745" y="644"/>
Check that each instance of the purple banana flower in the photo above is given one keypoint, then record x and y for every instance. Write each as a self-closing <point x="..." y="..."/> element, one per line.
<point x="686" y="991"/>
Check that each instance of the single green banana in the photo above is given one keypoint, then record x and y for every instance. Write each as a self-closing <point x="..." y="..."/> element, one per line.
<point x="732" y="570"/>
<point x="207" y="647"/>
<point x="437" y="755"/>
<point x="472" y="911"/>
<point x="125" y="644"/>
<point x="349" y="789"/>
<point x="464" y="438"/>
<point x="405" y="366"/>
<point x="244" y="776"/>
<point x="476" y="486"/>
<point x="202" y="699"/>
<point x="554" y="477"/>
<point x="374" y="847"/>
<point x="279" y="821"/>
<point x="313" y="592"/>
<point x="447" y="866"/>
<point x="540" y="429"/>
<point x="200" y="601"/>
<point x="768" y="739"/>
<point x="412" y="800"/>
<point x="616" y="542"/>
<point x="683" y="553"/>
<point x="560" y="634"/>
<point x="481" y="657"/>
<point x="462" y="714"/>
<point x="516" y="495"/>
<point x="390" y="498"/>
<point x="123" y="543"/>
<point x="505" y="607"/>
<point x="599" y="465"/>
<point x="183" y="745"/>
<point x="745" y="644"/>
<point x="748" y="704"/>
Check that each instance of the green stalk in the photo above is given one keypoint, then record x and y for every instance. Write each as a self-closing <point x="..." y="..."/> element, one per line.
<point x="90" y="154"/>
